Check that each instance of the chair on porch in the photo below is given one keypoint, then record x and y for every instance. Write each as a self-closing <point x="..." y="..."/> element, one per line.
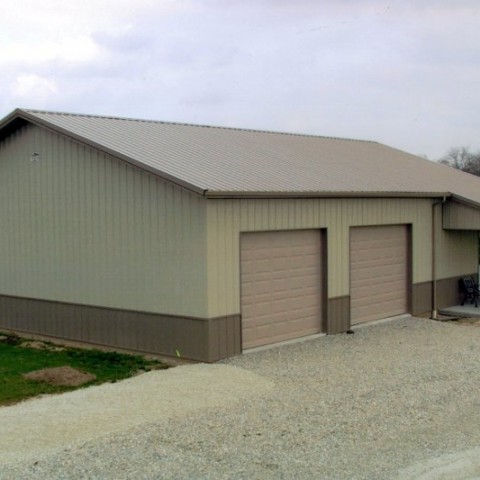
<point x="470" y="291"/>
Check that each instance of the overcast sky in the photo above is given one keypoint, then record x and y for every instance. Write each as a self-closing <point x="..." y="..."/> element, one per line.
<point x="405" y="73"/>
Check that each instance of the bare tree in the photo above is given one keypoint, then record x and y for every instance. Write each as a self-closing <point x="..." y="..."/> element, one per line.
<point x="462" y="159"/>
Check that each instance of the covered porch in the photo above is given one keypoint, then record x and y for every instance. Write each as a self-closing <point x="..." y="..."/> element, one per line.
<point x="462" y="214"/>
<point x="467" y="310"/>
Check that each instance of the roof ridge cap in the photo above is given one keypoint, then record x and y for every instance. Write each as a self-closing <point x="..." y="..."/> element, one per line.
<point x="186" y="124"/>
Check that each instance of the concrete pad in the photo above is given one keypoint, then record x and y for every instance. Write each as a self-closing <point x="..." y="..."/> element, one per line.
<point x="461" y="311"/>
<point x="456" y="466"/>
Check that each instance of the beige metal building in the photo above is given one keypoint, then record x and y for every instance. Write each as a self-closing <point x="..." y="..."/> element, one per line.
<point x="206" y="241"/>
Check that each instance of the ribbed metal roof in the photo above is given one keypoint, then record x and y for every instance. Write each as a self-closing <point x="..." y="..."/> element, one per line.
<point x="235" y="162"/>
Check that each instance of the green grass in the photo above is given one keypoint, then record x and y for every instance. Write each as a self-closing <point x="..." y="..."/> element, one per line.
<point x="15" y="360"/>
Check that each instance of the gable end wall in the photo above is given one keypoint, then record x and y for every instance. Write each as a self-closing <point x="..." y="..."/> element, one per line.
<point x="82" y="227"/>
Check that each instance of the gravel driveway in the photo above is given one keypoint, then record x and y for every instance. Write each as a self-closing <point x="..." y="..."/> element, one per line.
<point x="399" y="400"/>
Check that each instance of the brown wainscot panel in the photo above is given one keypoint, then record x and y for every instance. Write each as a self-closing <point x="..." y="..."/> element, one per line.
<point x="422" y="298"/>
<point x="199" y="339"/>
<point x="448" y="291"/>
<point x="338" y="316"/>
<point x="224" y="337"/>
<point x="448" y="294"/>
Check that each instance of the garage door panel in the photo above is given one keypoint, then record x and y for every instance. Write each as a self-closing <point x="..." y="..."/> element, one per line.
<point x="282" y="299"/>
<point x="378" y="272"/>
<point x="263" y="287"/>
<point x="369" y="297"/>
<point x="378" y="287"/>
<point x="279" y="306"/>
<point x="249" y="289"/>
<point x="280" y="284"/>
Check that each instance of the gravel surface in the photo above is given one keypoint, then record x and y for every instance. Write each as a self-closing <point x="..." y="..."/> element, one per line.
<point x="396" y="399"/>
<point x="38" y="427"/>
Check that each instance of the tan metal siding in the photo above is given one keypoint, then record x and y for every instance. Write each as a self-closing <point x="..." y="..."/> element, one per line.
<point x="378" y="272"/>
<point x="457" y="250"/>
<point x="457" y="253"/>
<point x="81" y="226"/>
<point x="281" y="286"/>
<point x="227" y="218"/>
<point x="460" y="217"/>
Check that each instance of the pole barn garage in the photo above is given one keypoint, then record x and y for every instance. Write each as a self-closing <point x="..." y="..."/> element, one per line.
<point x="206" y="241"/>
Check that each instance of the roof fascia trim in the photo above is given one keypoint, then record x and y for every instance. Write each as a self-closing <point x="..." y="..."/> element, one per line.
<point x="11" y="123"/>
<point x="272" y="195"/>
<point x="465" y="201"/>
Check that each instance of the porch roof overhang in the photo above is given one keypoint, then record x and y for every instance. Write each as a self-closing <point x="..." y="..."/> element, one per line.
<point x="461" y="214"/>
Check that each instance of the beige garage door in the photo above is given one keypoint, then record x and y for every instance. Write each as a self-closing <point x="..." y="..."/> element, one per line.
<point x="378" y="272"/>
<point x="281" y="276"/>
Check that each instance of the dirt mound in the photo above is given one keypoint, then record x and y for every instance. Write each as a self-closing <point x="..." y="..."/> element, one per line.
<point x="64" y="376"/>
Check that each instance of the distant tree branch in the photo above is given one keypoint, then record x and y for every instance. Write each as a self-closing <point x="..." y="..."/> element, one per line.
<point x="462" y="159"/>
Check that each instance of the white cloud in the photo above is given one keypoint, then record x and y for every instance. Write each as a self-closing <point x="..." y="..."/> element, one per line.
<point x="28" y="87"/>
<point x="404" y="73"/>
<point x="71" y="50"/>
<point x="33" y="32"/>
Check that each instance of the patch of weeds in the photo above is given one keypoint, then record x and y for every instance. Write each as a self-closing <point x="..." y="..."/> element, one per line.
<point x="17" y="359"/>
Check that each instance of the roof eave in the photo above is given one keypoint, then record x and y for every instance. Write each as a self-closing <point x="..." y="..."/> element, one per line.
<point x="323" y="194"/>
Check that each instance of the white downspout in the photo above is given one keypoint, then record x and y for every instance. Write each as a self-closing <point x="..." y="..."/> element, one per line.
<point x="434" y="257"/>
